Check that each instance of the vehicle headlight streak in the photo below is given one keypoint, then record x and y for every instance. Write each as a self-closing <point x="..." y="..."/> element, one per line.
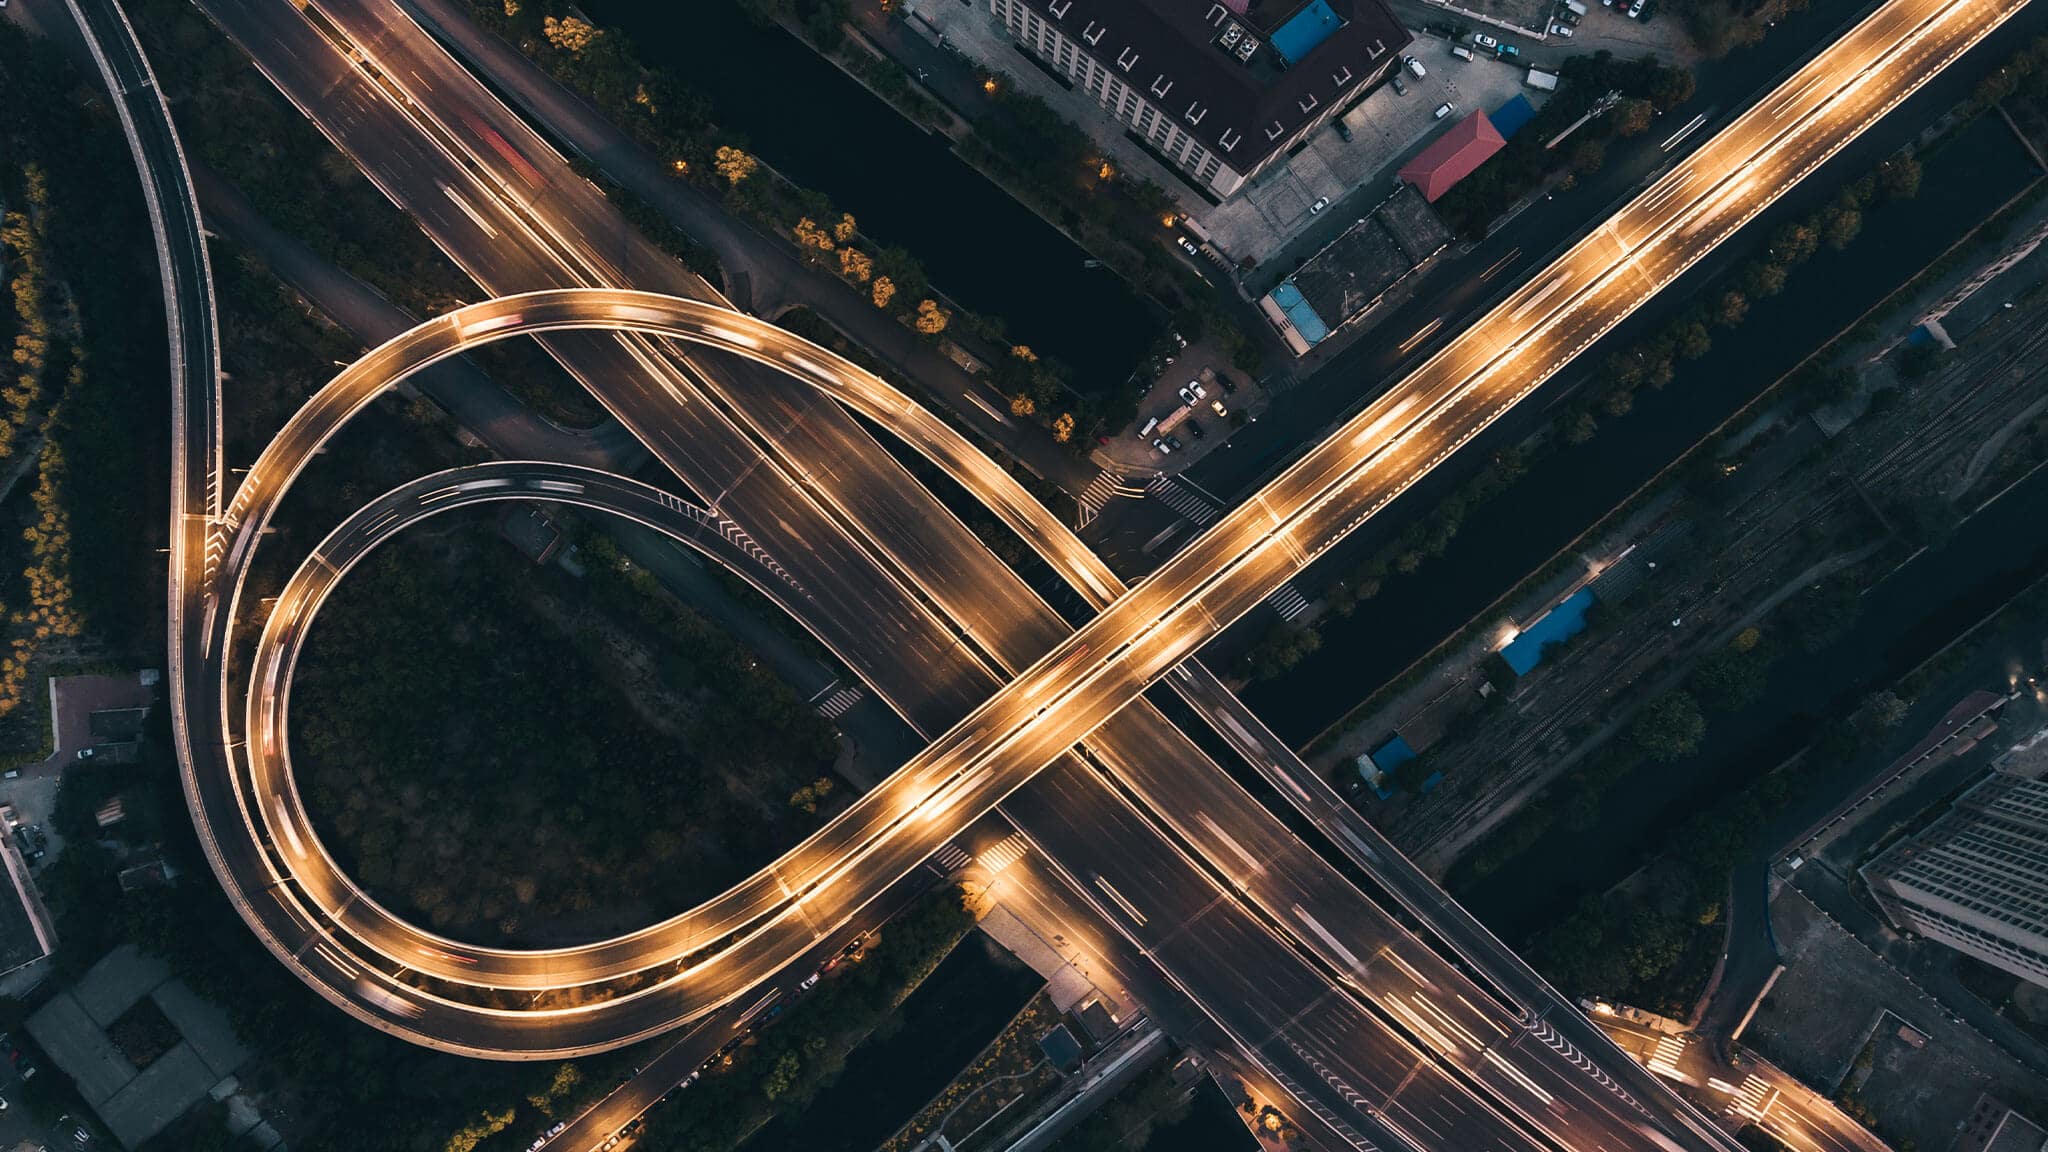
<point x="1150" y="628"/>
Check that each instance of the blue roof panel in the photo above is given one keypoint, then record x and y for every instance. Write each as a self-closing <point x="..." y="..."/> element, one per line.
<point x="1299" y="313"/>
<point x="1559" y="624"/>
<point x="1304" y="30"/>
<point x="1509" y="118"/>
<point x="1391" y="754"/>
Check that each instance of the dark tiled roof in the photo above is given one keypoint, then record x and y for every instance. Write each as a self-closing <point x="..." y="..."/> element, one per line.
<point x="1241" y="110"/>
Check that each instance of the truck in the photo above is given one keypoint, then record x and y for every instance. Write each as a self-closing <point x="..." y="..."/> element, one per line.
<point x="1541" y="80"/>
<point x="1173" y="421"/>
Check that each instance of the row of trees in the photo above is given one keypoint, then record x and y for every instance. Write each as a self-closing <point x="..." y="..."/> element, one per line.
<point x="783" y="1067"/>
<point x="21" y="253"/>
<point x="1652" y="363"/>
<point x="1647" y="88"/>
<point x="85" y="366"/>
<point x="1422" y="541"/>
<point x="660" y="111"/>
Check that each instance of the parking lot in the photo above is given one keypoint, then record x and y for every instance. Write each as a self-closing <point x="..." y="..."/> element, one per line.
<point x="1271" y="219"/>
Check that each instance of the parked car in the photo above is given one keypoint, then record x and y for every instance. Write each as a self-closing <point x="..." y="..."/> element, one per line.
<point x="1321" y="203"/>
<point x="1174" y="443"/>
<point x="1160" y="447"/>
<point x="1187" y="246"/>
<point x="1194" y="428"/>
<point x="1217" y="407"/>
<point x="1400" y="88"/>
<point x="87" y="753"/>
<point x="1445" y="109"/>
<point x="1506" y="52"/>
<point x="15" y="1056"/>
<point x="1564" y="30"/>
<point x="1635" y="10"/>
<point x="1192" y="393"/>
<point x="1416" y="69"/>
<point x="1480" y="40"/>
<point x="1343" y="129"/>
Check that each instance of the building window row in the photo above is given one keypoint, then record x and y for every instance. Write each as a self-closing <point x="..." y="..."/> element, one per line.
<point x="1118" y="98"/>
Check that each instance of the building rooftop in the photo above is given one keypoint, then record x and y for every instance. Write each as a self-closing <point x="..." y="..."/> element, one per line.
<point x="1240" y="82"/>
<point x="139" y="1091"/>
<point x="1351" y="273"/>
<point x="1453" y="156"/>
<point x="26" y="931"/>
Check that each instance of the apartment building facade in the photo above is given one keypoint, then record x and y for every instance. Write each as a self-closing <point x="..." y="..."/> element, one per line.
<point x="1977" y="878"/>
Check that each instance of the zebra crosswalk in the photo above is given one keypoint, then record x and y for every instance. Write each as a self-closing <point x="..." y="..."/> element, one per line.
<point x="950" y="859"/>
<point x="1288" y="601"/>
<point x="1754" y="1098"/>
<point x="837" y="703"/>
<point x="1100" y="491"/>
<point x="1184" y="500"/>
<point x="1664" y="1060"/>
<point x="1004" y="853"/>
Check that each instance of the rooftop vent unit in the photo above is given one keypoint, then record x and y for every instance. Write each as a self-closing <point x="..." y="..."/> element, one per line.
<point x="1246" y="47"/>
<point x="1232" y="33"/>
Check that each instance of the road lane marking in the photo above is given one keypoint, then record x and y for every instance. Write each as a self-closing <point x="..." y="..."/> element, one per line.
<point x="1110" y="891"/>
<point x="1230" y="842"/>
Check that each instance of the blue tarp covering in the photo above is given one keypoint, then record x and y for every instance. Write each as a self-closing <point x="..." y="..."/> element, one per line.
<point x="1299" y="314"/>
<point x="1394" y="752"/>
<point x="1306" y="29"/>
<point x="1560" y="623"/>
<point x="1509" y="117"/>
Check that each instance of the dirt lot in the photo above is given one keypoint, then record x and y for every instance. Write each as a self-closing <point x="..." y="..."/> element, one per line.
<point x="1836" y="997"/>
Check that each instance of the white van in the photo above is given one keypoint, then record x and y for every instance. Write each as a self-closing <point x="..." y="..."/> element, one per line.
<point x="1416" y="69"/>
<point x="1461" y="52"/>
<point x="1149" y="426"/>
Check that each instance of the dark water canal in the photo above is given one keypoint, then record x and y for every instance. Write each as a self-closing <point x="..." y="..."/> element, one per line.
<point x="905" y="186"/>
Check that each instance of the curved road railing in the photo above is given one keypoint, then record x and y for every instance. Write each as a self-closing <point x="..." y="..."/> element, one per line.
<point x="1319" y="500"/>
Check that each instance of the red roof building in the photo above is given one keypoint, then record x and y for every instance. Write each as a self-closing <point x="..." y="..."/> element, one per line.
<point x="1453" y="156"/>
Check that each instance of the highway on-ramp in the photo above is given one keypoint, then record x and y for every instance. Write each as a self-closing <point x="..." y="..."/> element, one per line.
<point x="1067" y="695"/>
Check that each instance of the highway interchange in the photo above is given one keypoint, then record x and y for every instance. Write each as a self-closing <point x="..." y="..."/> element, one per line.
<point x="1220" y="895"/>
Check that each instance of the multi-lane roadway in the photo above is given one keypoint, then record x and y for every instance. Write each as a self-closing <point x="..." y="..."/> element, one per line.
<point x="1088" y="679"/>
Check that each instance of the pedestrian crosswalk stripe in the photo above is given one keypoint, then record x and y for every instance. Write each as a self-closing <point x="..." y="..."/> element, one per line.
<point x="836" y="704"/>
<point x="1288" y="601"/>
<point x="1182" y="500"/>
<point x="1100" y="491"/>
<point x="1004" y="853"/>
